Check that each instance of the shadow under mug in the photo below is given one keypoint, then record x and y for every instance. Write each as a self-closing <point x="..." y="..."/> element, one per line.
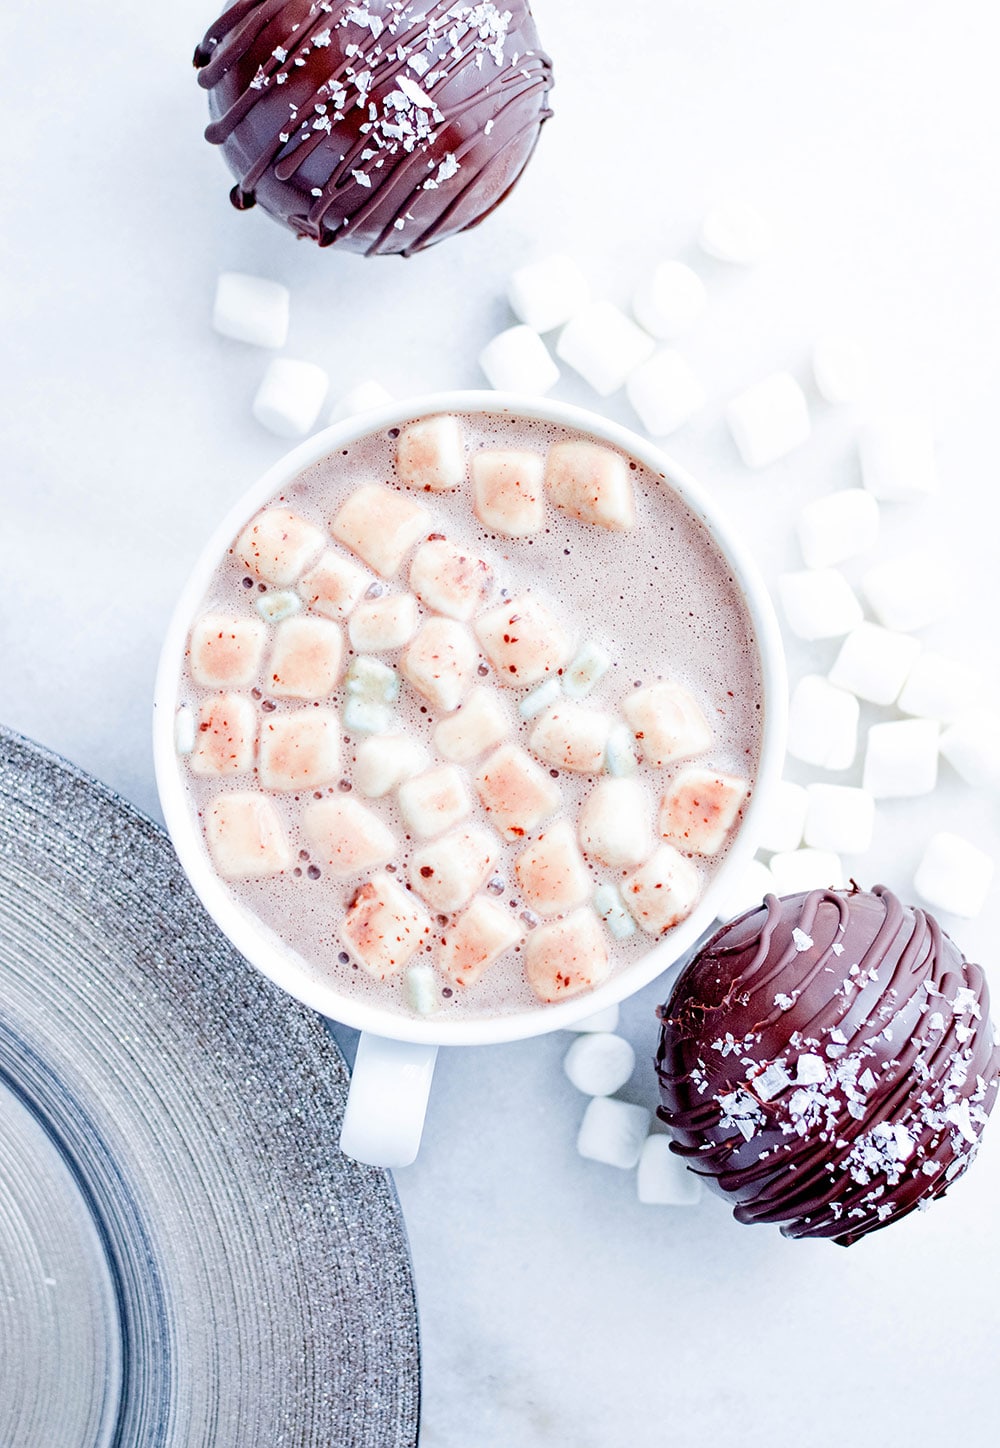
<point x="396" y="1054"/>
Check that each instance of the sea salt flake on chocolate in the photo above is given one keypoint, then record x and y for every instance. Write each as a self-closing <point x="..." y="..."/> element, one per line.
<point x="810" y="1070"/>
<point x="784" y="1002"/>
<point x="801" y="940"/>
<point x="772" y="1081"/>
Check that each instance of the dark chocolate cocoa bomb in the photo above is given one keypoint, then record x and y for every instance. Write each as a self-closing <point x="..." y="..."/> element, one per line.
<point x="828" y="1061"/>
<point x="380" y="126"/>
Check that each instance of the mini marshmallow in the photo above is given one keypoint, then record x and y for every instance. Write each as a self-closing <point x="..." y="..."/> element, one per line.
<point x="289" y="398"/>
<point x="516" y="793"/>
<point x="385" y="761"/>
<point x="347" y="836"/>
<point x="362" y="397"/>
<point x="840" y="819"/>
<point x="769" y="420"/>
<point x="540" y="699"/>
<point x="523" y="642"/>
<point x="370" y="691"/>
<point x="508" y="495"/>
<point x="795" y="871"/>
<point x="700" y="808"/>
<point x="734" y="230"/>
<point x="440" y="662"/>
<point x="954" y="875"/>
<point x="599" y="1064"/>
<point x="275" y="606"/>
<point x="449" y="871"/>
<point x="823" y="724"/>
<point x="586" y="670"/>
<point x="480" y="723"/>
<point x="278" y="545"/>
<point x="783" y="820"/>
<point x="571" y="736"/>
<point x="592" y="483"/>
<point x="662" y="892"/>
<point x="909" y="593"/>
<point x="665" y="392"/>
<point x="819" y="603"/>
<point x="449" y="579"/>
<point x="609" y="907"/>
<point x="380" y="526"/>
<point x="940" y="688"/>
<point x="901" y="758"/>
<point x="251" y="309"/>
<point x="619" y="752"/>
<point x="551" y="871"/>
<point x="545" y="294"/>
<point x="670" y="300"/>
<point x="383" y="623"/>
<point x="840" y="368"/>
<point x="614" y="823"/>
<point x="663" y="1178"/>
<point x="747" y="891"/>
<point x="517" y="360"/>
<point x="667" y="723"/>
<point x="972" y="748"/>
<point x="612" y="1132"/>
<point x="566" y="958"/>
<point x="245" y="838"/>
<point x="185" y="729"/>
<point x="306" y="658"/>
<point x="333" y="586"/>
<point x="606" y="1020"/>
<point x="839" y="526"/>
<point x="897" y="458"/>
<point x="227" y="733"/>
<point x="299" y="750"/>
<point x="226" y="651"/>
<point x="477" y="939"/>
<point x="384" y="926"/>
<point x="434" y="801"/>
<point x="874" y="662"/>
<point x="420" y="987"/>
<point x="430" y="455"/>
<point x="604" y="346"/>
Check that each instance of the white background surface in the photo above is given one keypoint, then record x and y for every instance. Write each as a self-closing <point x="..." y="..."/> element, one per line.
<point x="556" y="1310"/>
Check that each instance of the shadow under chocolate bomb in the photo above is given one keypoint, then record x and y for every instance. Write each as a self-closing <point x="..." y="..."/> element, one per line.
<point x="381" y="126"/>
<point x="828" y="1061"/>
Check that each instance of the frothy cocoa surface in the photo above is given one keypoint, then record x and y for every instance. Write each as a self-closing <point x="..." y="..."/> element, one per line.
<point x="660" y="598"/>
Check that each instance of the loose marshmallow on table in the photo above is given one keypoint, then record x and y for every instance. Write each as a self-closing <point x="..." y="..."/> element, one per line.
<point x="362" y="397"/>
<point x="380" y="526"/>
<point x="290" y="395"/>
<point x="226" y="651"/>
<point x="278" y="545"/>
<point x="430" y="454"/>
<point x="551" y="871"/>
<point x="599" y="1064"/>
<point x="611" y="908"/>
<point x="795" y="871"/>
<point x="434" y="801"/>
<point x="769" y="420"/>
<point x="837" y="527"/>
<point x="823" y="724"/>
<point x="592" y="483"/>
<point x="669" y="300"/>
<point x="972" y="747"/>
<point x="819" y="603"/>
<point x="347" y="836"/>
<point x="300" y="750"/>
<point x="523" y="642"/>
<point x="449" y="871"/>
<point x="566" y="958"/>
<point x="910" y="592"/>
<point x="371" y="689"/>
<point x="667" y="723"/>
<point x="663" y="1178"/>
<point x="954" y="875"/>
<point x="545" y="294"/>
<point x="508" y="494"/>
<point x="901" y="758"/>
<point x="587" y="667"/>
<point x="306" y="658"/>
<point x="385" y="761"/>
<point x="334" y="585"/>
<point x="227" y="733"/>
<point x="783" y="821"/>
<point x="747" y="891"/>
<point x="604" y="346"/>
<point x="518" y="361"/>
<point x="606" y="1020"/>
<point x="440" y="663"/>
<point x="571" y="736"/>
<point x="665" y="392"/>
<point x="450" y="579"/>
<point x="663" y="891"/>
<point x="940" y="688"/>
<point x="734" y="230"/>
<point x="477" y="939"/>
<point x="384" y="926"/>
<point x="480" y="723"/>
<point x="245" y="838"/>
<point x="840" y="368"/>
<point x="612" y="1132"/>
<point x="874" y="662"/>
<point x="251" y="309"/>
<point x="516" y="793"/>
<point x="383" y="623"/>
<point x="840" y="819"/>
<point x="700" y="808"/>
<point x="614" y="823"/>
<point x="897" y="458"/>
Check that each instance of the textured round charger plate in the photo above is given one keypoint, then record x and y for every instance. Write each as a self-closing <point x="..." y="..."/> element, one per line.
<point x="186" y="1258"/>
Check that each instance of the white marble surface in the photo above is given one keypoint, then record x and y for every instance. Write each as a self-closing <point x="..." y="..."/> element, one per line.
<point x="556" y="1310"/>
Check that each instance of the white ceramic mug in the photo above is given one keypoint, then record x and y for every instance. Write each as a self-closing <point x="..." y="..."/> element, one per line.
<point x="396" y="1054"/>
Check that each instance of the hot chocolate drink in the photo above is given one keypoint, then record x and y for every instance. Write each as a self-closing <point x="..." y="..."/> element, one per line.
<point x="470" y="714"/>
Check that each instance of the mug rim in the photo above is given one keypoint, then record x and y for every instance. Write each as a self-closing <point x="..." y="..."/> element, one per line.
<point x="259" y="945"/>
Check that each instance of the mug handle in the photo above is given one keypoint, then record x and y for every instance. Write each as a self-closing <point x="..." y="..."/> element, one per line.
<point x="387" y="1101"/>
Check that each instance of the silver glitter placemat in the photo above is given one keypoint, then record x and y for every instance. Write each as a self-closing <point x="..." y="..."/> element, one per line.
<point x="185" y="1256"/>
